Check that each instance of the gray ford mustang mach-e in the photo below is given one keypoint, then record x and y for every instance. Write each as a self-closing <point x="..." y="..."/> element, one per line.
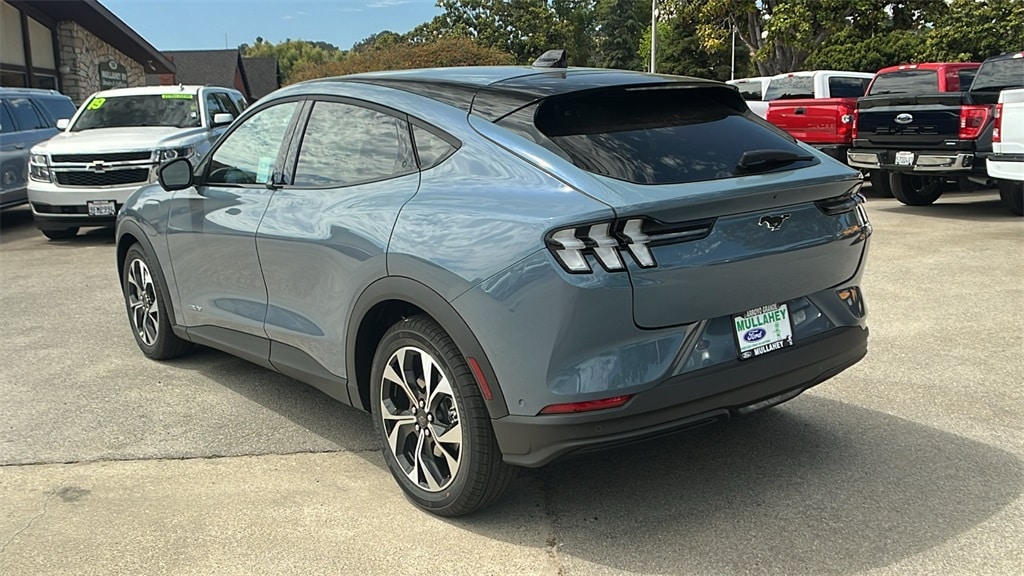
<point x="505" y="265"/>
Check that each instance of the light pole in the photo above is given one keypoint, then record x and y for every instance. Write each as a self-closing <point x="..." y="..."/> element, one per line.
<point x="654" y="32"/>
<point x="732" y="67"/>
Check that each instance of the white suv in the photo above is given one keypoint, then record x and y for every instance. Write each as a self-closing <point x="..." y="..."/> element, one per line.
<point x="114" y="143"/>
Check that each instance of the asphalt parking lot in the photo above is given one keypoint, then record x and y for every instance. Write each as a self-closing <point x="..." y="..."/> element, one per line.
<point x="912" y="462"/>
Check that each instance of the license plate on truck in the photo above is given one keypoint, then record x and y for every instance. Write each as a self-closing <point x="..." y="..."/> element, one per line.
<point x="763" y="330"/>
<point x="904" y="158"/>
<point x="102" y="208"/>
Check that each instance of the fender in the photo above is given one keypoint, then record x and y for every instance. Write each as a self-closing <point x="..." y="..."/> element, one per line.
<point x="428" y="300"/>
<point x="124" y="227"/>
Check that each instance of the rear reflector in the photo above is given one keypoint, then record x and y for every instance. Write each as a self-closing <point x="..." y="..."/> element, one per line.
<point x="474" y="367"/>
<point x="588" y="406"/>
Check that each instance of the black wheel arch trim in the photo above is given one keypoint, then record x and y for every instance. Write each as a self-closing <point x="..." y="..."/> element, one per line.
<point x="432" y="303"/>
<point x="127" y="227"/>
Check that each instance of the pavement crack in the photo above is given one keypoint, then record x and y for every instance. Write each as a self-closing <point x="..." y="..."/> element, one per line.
<point x="32" y="520"/>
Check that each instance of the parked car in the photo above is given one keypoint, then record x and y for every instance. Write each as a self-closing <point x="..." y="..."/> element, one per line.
<point x="1007" y="160"/>
<point x="752" y="90"/>
<point x="505" y="265"/>
<point x="82" y="176"/>
<point x="817" y="107"/>
<point x="27" y="117"/>
<point x="923" y="140"/>
<point x="914" y="79"/>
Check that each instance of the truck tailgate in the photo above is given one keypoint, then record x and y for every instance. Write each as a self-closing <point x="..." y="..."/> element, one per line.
<point x="815" y="121"/>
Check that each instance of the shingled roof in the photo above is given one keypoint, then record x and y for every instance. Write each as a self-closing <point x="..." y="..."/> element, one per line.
<point x="212" y="67"/>
<point x="263" y="75"/>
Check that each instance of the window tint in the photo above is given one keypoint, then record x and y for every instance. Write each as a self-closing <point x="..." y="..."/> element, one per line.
<point x="249" y="154"/>
<point x="431" y="148"/>
<point x="845" y="87"/>
<point x="749" y="90"/>
<point x="657" y="136"/>
<point x="25" y="114"/>
<point x="906" y="82"/>
<point x="966" y="77"/>
<point x="58" y="107"/>
<point x="6" y="123"/>
<point x="345" y="144"/>
<point x="996" y="75"/>
<point x="790" y="87"/>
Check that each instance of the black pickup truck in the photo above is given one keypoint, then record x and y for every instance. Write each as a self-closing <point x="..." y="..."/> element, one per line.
<point x="915" y="143"/>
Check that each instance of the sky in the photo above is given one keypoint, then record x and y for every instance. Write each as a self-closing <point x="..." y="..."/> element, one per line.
<point x="204" y="24"/>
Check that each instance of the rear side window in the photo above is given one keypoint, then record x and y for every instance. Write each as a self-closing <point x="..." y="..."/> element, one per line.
<point x="790" y="87"/>
<point x="966" y="77"/>
<point x="58" y="107"/>
<point x="658" y="136"/>
<point x="846" y="87"/>
<point x="346" y="144"/>
<point x="6" y="123"/>
<point x="906" y="82"/>
<point x="431" y="148"/>
<point x="749" y="90"/>
<point x="26" y="115"/>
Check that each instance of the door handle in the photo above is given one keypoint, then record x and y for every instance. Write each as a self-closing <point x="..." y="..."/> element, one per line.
<point x="800" y="111"/>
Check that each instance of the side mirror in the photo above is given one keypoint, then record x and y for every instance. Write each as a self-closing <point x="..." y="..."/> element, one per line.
<point x="63" y="123"/>
<point x="222" y="118"/>
<point x="175" y="174"/>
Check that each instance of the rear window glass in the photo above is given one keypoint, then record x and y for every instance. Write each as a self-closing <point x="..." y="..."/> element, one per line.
<point x="750" y="90"/>
<point x="58" y="107"/>
<point x="999" y="74"/>
<point x="847" y="87"/>
<point x="906" y="82"/>
<point x="966" y="77"/>
<point x="657" y="136"/>
<point x="790" y="87"/>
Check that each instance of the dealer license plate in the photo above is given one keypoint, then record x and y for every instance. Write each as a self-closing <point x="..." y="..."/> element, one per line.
<point x="763" y="330"/>
<point x="904" y="158"/>
<point x="102" y="208"/>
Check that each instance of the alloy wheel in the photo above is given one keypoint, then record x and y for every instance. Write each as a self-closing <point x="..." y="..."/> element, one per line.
<point x="421" y="418"/>
<point x="143" y="304"/>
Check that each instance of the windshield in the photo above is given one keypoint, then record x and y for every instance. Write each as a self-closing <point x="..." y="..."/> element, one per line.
<point x="999" y="74"/>
<point x="177" y="110"/>
<point x="906" y="82"/>
<point x="790" y="87"/>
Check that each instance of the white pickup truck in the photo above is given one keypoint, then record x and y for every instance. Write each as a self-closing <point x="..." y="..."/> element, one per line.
<point x="1006" y="164"/>
<point x="114" y="143"/>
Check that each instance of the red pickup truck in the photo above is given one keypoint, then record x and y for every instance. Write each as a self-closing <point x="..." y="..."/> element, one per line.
<point x="817" y="107"/>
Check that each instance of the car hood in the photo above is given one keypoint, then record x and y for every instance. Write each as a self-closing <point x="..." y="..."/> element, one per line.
<point x="118" y="139"/>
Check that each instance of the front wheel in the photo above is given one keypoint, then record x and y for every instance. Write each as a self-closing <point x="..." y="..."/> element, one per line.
<point x="915" y="190"/>
<point x="146" y="301"/>
<point x="431" y="420"/>
<point x="1012" y="195"/>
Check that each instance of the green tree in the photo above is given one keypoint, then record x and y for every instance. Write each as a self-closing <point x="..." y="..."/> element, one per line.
<point x="382" y="39"/>
<point x="292" y="53"/>
<point x="972" y="30"/>
<point x="621" y="27"/>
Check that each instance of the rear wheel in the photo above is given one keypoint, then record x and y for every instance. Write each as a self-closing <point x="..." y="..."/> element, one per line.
<point x="61" y="233"/>
<point x="434" y="429"/>
<point x="1012" y="195"/>
<point x="880" y="184"/>
<point x="146" y="301"/>
<point x="915" y="190"/>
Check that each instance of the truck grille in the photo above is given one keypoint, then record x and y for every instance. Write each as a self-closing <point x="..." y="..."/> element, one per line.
<point x="112" y="178"/>
<point x="104" y="156"/>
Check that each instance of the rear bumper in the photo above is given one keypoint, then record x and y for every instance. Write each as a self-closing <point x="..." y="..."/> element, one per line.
<point x="684" y="401"/>
<point x="924" y="162"/>
<point x="1006" y="166"/>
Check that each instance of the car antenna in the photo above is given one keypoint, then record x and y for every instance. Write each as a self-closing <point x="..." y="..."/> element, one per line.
<point x="552" y="59"/>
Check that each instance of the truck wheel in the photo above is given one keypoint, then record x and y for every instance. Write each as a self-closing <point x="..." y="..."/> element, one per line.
<point x="915" y="190"/>
<point x="880" y="183"/>
<point x="1012" y="195"/>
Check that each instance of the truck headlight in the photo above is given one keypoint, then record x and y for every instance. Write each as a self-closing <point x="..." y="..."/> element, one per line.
<point x="172" y="153"/>
<point x="39" y="168"/>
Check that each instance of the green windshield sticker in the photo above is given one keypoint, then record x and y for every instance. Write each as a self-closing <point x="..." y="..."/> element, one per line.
<point x="178" y="96"/>
<point x="96" y="104"/>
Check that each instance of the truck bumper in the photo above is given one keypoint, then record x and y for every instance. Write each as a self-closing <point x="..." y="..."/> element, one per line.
<point x="926" y="162"/>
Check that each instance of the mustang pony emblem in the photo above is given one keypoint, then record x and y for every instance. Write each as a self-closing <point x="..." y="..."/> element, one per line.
<point x="773" y="222"/>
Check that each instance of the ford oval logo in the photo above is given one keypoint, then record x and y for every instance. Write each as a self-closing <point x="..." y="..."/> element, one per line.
<point x="754" y="334"/>
<point x="904" y="118"/>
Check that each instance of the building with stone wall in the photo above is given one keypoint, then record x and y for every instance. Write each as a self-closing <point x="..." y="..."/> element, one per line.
<point x="74" y="46"/>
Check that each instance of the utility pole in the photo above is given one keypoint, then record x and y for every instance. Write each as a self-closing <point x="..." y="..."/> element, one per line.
<point x="654" y="32"/>
<point x="732" y="67"/>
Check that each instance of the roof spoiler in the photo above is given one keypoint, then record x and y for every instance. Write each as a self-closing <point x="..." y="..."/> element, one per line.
<point x="552" y="59"/>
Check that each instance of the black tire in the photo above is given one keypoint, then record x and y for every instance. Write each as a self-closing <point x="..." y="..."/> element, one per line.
<point x="60" y="234"/>
<point x="880" y="184"/>
<point x="1012" y="195"/>
<point x="480" y="475"/>
<point x="915" y="190"/>
<point x="146" y="300"/>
